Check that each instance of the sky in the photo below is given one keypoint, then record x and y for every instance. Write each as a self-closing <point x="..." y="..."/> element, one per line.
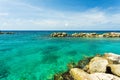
<point x="59" y="14"/>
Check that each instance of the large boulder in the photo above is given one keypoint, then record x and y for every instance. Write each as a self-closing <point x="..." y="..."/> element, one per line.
<point x="97" y="64"/>
<point x="112" y="58"/>
<point x="115" y="69"/>
<point x="102" y="76"/>
<point x="79" y="74"/>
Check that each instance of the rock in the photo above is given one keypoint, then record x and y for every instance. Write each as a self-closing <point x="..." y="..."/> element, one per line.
<point x="111" y="34"/>
<point x="64" y="34"/>
<point x="115" y="69"/>
<point x="102" y="76"/>
<point x="67" y="76"/>
<point x="1" y="32"/>
<point x="75" y="35"/>
<point x="100" y="36"/>
<point x="97" y="64"/>
<point x="91" y="35"/>
<point x="58" y="77"/>
<point x="79" y="74"/>
<point x="58" y="34"/>
<point x="112" y="58"/>
<point x="9" y="32"/>
<point x="87" y="35"/>
<point x="84" y="62"/>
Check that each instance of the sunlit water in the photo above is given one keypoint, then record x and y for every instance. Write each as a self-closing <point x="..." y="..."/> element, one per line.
<point x="36" y="56"/>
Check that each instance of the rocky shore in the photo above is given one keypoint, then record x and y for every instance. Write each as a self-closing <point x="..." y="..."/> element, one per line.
<point x="100" y="67"/>
<point x="6" y="32"/>
<point x="87" y="35"/>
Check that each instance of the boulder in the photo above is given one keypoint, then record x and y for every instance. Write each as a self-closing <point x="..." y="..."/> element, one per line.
<point x="97" y="64"/>
<point x="115" y="69"/>
<point x="79" y="74"/>
<point x="111" y="34"/>
<point x="75" y="35"/>
<point x="9" y="32"/>
<point x="1" y="32"/>
<point x="58" y="34"/>
<point x="100" y="36"/>
<point x="64" y="34"/>
<point x="102" y="76"/>
<point x="112" y="58"/>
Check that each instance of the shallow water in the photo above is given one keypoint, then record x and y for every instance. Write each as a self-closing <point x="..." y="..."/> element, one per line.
<point x="36" y="56"/>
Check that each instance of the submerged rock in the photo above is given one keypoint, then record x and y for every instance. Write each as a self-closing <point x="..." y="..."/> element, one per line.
<point x="4" y="72"/>
<point x="84" y="62"/>
<point x="97" y="64"/>
<point x="58" y="77"/>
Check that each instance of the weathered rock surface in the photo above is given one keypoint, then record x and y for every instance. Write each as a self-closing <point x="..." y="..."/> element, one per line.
<point x="112" y="58"/>
<point x="102" y="76"/>
<point x="115" y="69"/>
<point x="79" y="74"/>
<point x="97" y="64"/>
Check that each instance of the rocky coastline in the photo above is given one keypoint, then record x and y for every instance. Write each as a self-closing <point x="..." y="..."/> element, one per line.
<point x="99" y="67"/>
<point x="6" y="33"/>
<point x="87" y="35"/>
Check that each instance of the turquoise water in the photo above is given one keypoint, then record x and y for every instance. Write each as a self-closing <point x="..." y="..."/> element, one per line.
<point x="36" y="56"/>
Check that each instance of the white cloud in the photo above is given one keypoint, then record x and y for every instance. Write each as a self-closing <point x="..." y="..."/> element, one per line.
<point x="3" y="14"/>
<point x="26" y="16"/>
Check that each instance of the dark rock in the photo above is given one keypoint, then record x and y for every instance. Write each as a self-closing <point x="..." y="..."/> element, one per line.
<point x="1" y="32"/>
<point x="67" y="76"/>
<point x="9" y="32"/>
<point x="58" y="77"/>
<point x="71" y="65"/>
<point x="82" y="63"/>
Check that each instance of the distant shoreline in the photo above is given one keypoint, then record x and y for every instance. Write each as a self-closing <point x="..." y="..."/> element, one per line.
<point x="66" y="30"/>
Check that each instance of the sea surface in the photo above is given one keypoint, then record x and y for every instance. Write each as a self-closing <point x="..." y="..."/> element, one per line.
<point x="34" y="55"/>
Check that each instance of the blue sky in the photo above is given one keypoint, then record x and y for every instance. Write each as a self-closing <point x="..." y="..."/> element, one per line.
<point x="60" y="14"/>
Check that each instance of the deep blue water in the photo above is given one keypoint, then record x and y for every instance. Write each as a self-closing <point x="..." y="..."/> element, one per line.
<point x="33" y="55"/>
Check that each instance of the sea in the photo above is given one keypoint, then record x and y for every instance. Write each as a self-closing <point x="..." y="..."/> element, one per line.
<point x="34" y="55"/>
